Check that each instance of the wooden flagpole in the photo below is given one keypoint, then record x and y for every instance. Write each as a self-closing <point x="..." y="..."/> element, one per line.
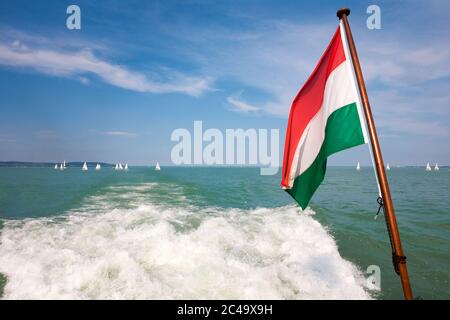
<point x="398" y="258"/>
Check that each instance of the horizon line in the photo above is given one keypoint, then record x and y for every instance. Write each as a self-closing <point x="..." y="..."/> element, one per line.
<point x="194" y="165"/>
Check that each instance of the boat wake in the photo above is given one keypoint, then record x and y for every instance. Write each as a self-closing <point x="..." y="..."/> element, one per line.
<point x="151" y="251"/>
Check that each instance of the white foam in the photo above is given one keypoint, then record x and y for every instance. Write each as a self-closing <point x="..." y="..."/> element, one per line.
<point x="152" y="252"/>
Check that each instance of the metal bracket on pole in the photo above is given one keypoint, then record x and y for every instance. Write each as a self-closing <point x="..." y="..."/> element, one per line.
<point x="396" y="260"/>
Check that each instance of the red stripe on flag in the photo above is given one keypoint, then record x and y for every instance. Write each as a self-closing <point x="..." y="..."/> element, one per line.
<point x="309" y="100"/>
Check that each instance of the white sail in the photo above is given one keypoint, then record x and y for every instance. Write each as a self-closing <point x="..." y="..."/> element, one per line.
<point x="56" y="166"/>
<point x="126" y="166"/>
<point x="157" y="167"/>
<point x="61" y="167"/>
<point x="120" y="166"/>
<point x="358" y="167"/>
<point x="85" y="168"/>
<point x="436" y="167"/>
<point x="388" y="167"/>
<point x="98" y="167"/>
<point x="64" y="164"/>
<point x="116" y="167"/>
<point x="428" y="168"/>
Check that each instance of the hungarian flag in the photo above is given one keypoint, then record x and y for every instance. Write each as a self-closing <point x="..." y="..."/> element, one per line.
<point x="325" y="117"/>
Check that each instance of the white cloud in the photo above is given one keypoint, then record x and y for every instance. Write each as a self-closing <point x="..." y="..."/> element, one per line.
<point x="79" y="63"/>
<point x="240" y="106"/>
<point x="413" y="126"/>
<point x="402" y="65"/>
<point x="84" y="80"/>
<point x="119" y="133"/>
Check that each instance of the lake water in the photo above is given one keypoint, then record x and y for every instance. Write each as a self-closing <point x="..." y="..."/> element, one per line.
<point x="197" y="233"/>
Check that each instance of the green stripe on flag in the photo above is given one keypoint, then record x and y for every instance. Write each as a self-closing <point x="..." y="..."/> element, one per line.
<point x="343" y="131"/>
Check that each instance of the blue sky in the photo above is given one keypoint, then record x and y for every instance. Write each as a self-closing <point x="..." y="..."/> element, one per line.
<point x="116" y="89"/>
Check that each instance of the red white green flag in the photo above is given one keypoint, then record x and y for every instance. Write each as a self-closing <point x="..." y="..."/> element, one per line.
<point x="325" y="117"/>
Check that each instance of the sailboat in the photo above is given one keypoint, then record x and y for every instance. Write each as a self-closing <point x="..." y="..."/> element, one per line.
<point x="120" y="166"/>
<point x="126" y="166"/>
<point x="84" y="168"/>
<point x="388" y="167"/>
<point x="64" y="164"/>
<point x="98" y="167"/>
<point x="61" y="167"/>
<point x="157" y="167"/>
<point x="428" y="168"/>
<point x="56" y="166"/>
<point x="436" y="167"/>
<point x="358" y="167"/>
<point x="116" y="167"/>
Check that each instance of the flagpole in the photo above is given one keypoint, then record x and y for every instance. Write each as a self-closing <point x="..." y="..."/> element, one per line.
<point x="398" y="257"/>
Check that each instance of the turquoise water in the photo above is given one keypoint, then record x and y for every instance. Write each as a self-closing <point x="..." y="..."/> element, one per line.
<point x="216" y="233"/>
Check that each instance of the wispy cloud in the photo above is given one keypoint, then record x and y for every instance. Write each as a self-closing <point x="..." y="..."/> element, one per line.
<point x="7" y="138"/>
<point x="400" y="64"/>
<point x="46" y="135"/>
<point x="118" y="133"/>
<point x="413" y="126"/>
<point x="274" y="57"/>
<point x="240" y="106"/>
<point x="401" y="68"/>
<point x="80" y="63"/>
